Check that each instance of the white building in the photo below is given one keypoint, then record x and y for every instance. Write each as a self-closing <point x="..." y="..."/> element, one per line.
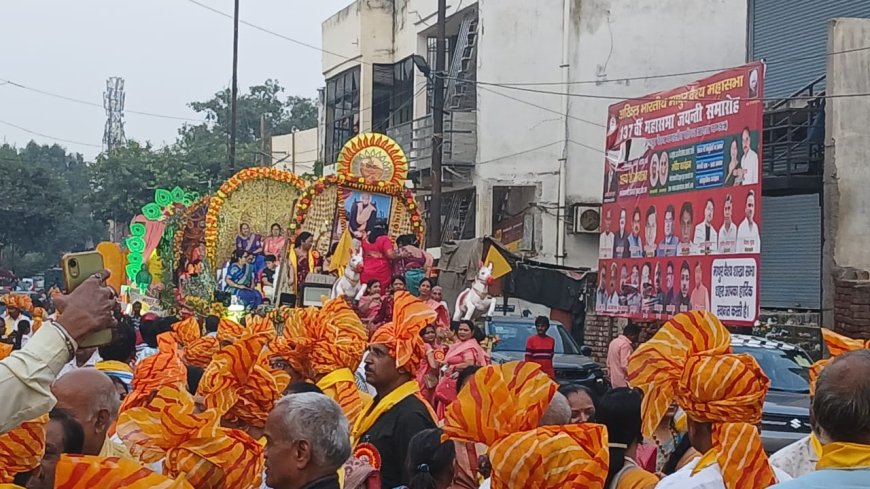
<point x="525" y="141"/>
<point x="296" y="152"/>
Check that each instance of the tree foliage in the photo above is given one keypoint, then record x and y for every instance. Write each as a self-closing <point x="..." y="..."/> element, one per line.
<point x="52" y="201"/>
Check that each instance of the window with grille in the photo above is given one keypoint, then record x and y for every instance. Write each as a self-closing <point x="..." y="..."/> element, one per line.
<point x="342" y="111"/>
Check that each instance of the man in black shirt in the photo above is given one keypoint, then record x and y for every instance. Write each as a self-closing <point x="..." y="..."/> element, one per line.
<point x="385" y="428"/>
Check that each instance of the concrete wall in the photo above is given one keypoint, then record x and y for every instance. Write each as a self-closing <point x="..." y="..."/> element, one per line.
<point x="296" y="156"/>
<point x="609" y="40"/>
<point x="847" y="151"/>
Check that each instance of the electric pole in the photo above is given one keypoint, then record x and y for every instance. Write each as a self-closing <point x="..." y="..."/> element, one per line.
<point x="438" y="126"/>
<point x="235" y="87"/>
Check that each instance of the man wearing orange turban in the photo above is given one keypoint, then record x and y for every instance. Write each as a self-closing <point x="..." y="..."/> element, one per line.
<point x="239" y="387"/>
<point x="334" y="343"/>
<point x="22" y="448"/>
<point x="186" y="331"/>
<point x="199" y="352"/>
<point x="164" y="368"/>
<point x="387" y="423"/>
<point x="88" y="472"/>
<point x="229" y="331"/>
<point x="502" y="406"/>
<point x="689" y="360"/>
<point x="191" y="445"/>
<point x="15" y="305"/>
<point x="801" y="457"/>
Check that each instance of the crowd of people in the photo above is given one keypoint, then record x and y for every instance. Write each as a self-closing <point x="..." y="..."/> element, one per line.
<point x="274" y="402"/>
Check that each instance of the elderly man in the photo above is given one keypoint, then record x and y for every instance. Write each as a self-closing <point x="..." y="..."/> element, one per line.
<point x="63" y="434"/>
<point x="841" y="406"/>
<point x="25" y="376"/>
<point x="91" y="398"/>
<point x="387" y="423"/>
<point x="307" y="441"/>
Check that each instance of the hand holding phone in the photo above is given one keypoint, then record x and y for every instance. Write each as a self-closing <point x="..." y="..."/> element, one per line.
<point x="88" y="309"/>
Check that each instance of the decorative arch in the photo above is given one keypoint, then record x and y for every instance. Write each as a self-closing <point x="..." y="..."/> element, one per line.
<point x="257" y="196"/>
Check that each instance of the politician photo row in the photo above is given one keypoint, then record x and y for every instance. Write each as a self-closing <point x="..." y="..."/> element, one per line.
<point x="634" y="289"/>
<point x="711" y="226"/>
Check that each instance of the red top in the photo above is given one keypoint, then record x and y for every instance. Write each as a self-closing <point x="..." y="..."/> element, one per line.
<point x="540" y="349"/>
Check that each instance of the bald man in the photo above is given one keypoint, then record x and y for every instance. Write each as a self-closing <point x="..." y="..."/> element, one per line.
<point x="90" y="397"/>
<point x="558" y="412"/>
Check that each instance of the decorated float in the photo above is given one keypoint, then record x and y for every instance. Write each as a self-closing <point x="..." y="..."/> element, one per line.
<point x="179" y="248"/>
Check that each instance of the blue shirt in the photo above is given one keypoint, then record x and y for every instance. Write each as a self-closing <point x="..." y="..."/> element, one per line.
<point x="829" y="479"/>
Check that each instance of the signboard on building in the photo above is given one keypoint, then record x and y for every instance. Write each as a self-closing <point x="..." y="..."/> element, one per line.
<point x="682" y="201"/>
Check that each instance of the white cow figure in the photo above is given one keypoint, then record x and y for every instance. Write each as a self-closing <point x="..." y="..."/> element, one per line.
<point x="474" y="301"/>
<point x="348" y="285"/>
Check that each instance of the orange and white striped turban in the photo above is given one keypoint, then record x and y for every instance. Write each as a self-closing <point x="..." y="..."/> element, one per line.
<point x="22" y="448"/>
<point x="837" y="345"/>
<point x="237" y="385"/>
<point x="87" y="472"/>
<point x="728" y="391"/>
<point x="164" y="368"/>
<point x="255" y="324"/>
<point x="338" y="340"/>
<point x="200" y="352"/>
<point x="191" y="444"/>
<point x="402" y="335"/>
<point x="294" y="345"/>
<point x="523" y="454"/>
<point x="22" y="302"/>
<point x="656" y="366"/>
<point x="187" y="330"/>
<point x="229" y="330"/>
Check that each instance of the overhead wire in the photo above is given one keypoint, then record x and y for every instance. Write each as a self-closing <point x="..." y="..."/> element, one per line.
<point x="36" y="133"/>
<point x="93" y="104"/>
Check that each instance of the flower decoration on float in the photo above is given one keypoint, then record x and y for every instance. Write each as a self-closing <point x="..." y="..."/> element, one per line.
<point x="230" y="186"/>
<point x="164" y="205"/>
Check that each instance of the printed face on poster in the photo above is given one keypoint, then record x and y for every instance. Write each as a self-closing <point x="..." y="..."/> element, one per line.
<point x="681" y="216"/>
<point x="362" y="211"/>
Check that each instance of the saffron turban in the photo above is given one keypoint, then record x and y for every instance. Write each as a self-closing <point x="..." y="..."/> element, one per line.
<point x="689" y="360"/>
<point x="237" y="385"/>
<point x="229" y="330"/>
<point x="22" y="448"/>
<point x="164" y="368"/>
<point x="523" y="454"/>
<point x="401" y="336"/>
<point x="5" y="350"/>
<point x="22" y="302"/>
<point x="38" y="315"/>
<point x="837" y="345"/>
<point x="186" y="331"/>
<point x="191" y="444"/>
<point x="656" y="366"/>
<point x="87" y="472"/>
<point x="200" y="352"/>
<point x="260" y="325"/>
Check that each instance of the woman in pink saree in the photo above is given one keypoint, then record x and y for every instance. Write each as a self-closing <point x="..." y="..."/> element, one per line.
<point x="461" y="355"/>
<point x="431" y="294"/>
<point x="427" y="374"/>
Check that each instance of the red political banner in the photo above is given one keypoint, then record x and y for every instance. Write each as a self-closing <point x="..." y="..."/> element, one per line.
<point x="682" y="201"/>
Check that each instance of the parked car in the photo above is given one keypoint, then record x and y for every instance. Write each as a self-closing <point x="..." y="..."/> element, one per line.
<point x="786" y="416"/>
<point x="571" y="362"/>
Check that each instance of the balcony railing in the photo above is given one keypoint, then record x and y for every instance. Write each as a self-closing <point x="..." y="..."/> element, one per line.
<point x="460" y="140"/>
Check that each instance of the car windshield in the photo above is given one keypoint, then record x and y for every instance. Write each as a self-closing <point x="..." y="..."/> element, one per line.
<point x="788" y="370"/>
<point x="512" y="336"/>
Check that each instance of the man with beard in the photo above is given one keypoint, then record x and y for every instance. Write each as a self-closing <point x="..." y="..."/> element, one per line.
<point x="684" y="302"/>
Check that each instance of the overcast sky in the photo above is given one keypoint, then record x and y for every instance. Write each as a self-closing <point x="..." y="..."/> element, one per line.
<point x="169" y="52"/>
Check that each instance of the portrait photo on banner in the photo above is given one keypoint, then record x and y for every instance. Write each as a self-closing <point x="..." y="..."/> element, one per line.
<point x="362" y="210"/>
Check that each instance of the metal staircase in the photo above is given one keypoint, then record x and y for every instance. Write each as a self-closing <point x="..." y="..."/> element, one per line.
<point x="793" y="137"/>
<point x="462" y="72"/>
<point x="458" y="215"/>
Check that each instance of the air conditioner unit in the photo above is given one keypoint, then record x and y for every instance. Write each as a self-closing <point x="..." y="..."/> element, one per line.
<point x="586" y="218"/>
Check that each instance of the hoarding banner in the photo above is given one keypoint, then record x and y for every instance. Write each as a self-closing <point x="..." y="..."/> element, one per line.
<point x="682" y="201"/>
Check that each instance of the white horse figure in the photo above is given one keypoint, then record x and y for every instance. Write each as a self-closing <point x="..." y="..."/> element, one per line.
<point x="348" y="285"/>
<point x="474" y="301"/>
